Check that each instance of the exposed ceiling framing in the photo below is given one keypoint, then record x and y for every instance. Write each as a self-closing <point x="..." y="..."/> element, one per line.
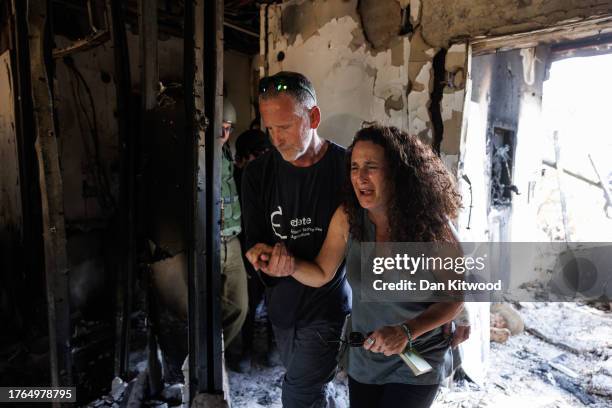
<point x="241" y="20"/>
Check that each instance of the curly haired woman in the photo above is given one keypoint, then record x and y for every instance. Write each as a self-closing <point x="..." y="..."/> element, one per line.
<point x="399" y="191"/>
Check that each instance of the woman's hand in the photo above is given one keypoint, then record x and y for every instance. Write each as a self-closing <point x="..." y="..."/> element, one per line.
<point x="388" y="340"/>
<point x="281" y="262"/>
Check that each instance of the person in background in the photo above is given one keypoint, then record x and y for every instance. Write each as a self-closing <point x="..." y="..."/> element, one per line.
<point x="249" y="145"/>
<point x="234" y="296"/>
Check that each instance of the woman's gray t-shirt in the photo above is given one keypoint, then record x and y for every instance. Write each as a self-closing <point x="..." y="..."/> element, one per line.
<point x="376" y="368"/>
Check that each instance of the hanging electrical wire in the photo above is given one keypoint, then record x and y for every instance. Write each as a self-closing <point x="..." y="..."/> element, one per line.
<point x="103" y="193"/>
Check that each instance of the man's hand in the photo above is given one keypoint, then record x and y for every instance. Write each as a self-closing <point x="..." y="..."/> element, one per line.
<point x="388" y="340"/>
<point x="462" y="333"/>
<point x="281" y="262"/>
<point x="259" y="256"/>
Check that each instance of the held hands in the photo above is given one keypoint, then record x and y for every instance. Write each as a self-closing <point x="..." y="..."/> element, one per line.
<point x="388" y="340"/>
<point x="275" y="261"/>
<point x="281" y="263"/>
<point x="259" y="256"/>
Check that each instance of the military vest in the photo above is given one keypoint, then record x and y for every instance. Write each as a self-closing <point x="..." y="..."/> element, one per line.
<point x="230" y="203"/>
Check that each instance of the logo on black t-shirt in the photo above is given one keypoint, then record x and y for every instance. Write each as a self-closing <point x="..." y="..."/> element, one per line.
<point x="297" y="222"/>
<point x="300" y="226"/>
<point x="274" y="225"/>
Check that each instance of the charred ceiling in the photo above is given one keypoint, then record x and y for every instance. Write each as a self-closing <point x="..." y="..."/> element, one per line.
<point x="241" y="31"/>
<point x="77" y="19"/>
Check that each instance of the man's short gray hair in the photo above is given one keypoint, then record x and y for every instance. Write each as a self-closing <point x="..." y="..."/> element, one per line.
<point x="302" y="90"/>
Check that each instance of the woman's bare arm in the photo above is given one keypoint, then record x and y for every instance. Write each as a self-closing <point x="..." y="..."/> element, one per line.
<point x="324" y="266"/>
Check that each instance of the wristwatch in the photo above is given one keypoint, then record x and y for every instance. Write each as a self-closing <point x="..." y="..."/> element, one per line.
<point x="406" y="330"/>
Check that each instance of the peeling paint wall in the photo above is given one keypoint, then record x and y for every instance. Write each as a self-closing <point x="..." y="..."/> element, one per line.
<point x="381" y="21"/>
<point x="453" y="99"/>
<point x="420" y="76"/>
<point x="362" y="68"/>
<point x="354" y="81"/>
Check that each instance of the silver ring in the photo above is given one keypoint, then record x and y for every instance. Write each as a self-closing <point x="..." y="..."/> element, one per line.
<point x="370" y="341"/>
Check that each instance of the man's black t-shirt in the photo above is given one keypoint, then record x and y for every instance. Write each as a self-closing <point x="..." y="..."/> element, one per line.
<point x="281" y="202"/>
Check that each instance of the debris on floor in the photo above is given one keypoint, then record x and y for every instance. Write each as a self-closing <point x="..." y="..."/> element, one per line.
<point x="562" y="359"/>
<point x="569" y="365"/>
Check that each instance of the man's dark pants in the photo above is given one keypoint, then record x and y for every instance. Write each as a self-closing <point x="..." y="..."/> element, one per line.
<point x="309" y="354"/>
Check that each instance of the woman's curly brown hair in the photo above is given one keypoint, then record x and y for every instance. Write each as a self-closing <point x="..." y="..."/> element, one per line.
<point x="424" y="194"/>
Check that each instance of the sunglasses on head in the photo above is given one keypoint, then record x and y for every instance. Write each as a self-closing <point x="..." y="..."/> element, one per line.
<point x="282" y="83"/>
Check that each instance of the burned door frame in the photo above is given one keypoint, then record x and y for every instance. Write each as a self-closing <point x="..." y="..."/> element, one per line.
<point x="540" y="46"/>
<point x="203" y="85"/>
<point x="149" y="87"/>
<point x="12" y="280"/>
<point x="506" y="88"/>
<point x="28" y="168"/>
<point x="21" y="236"/>
<point x="127" y="153"/>
<point x="503" y="113"/>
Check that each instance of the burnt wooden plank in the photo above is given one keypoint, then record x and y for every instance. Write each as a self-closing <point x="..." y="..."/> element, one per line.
<point x="52" y="199"/>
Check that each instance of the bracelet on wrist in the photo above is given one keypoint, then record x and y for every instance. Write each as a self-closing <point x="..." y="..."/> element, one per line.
<point x="406" y="331"/>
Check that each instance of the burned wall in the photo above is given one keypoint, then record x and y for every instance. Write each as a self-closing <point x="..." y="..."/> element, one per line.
<point x="12" y="271"/>
<point x="368" y="62"/>
<point x="10" y="189"/>
<point x="445" y="21"/>
<point x="85" y="103"/>
<point x="87" y="122"/>
<point x="86" y="106"/>
<point x="505" y="101"/>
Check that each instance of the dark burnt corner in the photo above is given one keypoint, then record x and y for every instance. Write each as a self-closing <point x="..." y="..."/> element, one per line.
<point x="439" y="82"/>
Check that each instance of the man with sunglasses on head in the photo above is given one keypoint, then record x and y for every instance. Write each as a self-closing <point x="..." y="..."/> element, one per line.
<point x="289" y="195"/>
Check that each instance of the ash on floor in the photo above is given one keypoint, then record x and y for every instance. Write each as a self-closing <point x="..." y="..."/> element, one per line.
<point x="567" y="363"/>
<point x="262" y="388"/>
<point x="564" y="359"/>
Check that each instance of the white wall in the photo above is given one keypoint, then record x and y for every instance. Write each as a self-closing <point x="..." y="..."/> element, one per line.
<point x="237" y="77"/>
